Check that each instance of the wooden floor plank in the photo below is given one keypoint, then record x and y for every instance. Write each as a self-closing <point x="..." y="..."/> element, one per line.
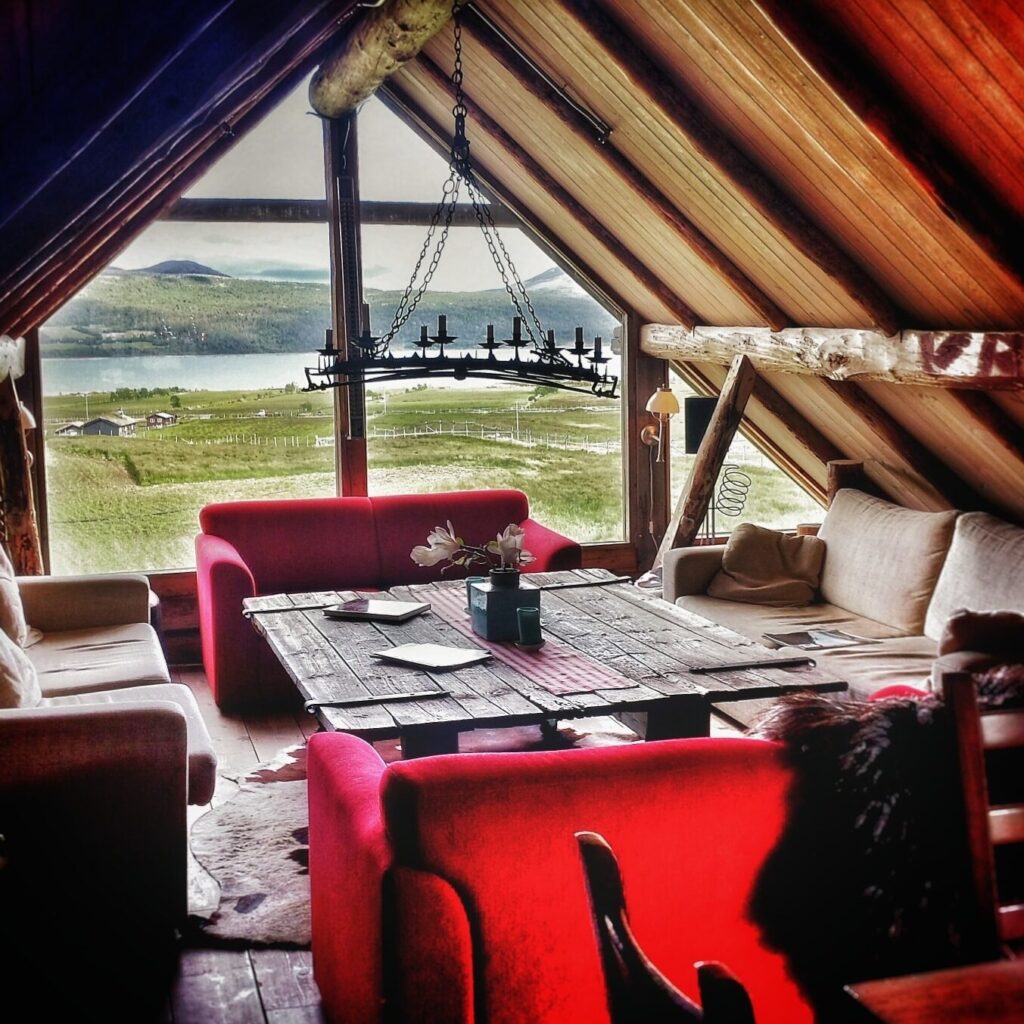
<point x="230" y="737"/>
<point x="272" y="733"/>
<point x="285" y="979"/>
<point x="216" y="987"/>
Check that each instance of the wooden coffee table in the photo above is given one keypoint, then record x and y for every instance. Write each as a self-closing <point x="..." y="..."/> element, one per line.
<point x="645" y="639"/>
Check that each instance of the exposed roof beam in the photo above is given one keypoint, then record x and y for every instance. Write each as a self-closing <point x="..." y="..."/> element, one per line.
<point x="380" y="43"/>
<point x="591" y="224"/>
<point x="712" y="142"/>
<point x="605" y="152"/>
<point x="795" y="424"/>
<point x="949" y="359"/>
<point x="314" y="211"/>
<point x="400" y="103"/>
<point x="955" y="188"/>
<point x="1004" y="431"/>
<point x="155" y="185"/>
<point x="916" y="456"/>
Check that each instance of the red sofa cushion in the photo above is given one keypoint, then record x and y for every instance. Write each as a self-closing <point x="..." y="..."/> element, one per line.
<point x="300" y="544"/>
<point x="691" y="822"/>
<point x="404" y="520"/>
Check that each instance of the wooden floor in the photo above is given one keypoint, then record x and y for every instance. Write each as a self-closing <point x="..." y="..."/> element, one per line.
<point x="251" y="986"/>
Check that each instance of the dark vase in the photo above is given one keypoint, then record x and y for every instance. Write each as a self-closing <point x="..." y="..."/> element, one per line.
<point x="505" y="577"/>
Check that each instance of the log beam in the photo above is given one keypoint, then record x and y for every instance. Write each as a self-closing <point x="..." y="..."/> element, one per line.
<point x="712" y="141"/>
<point x="314" y="211"/>
<point x="847" y="473"/>
<point x="603" y="151"/>
<point x="543" y="180"/>
<point x="961" y="195"/>
<point x="383" y="40"/>
<point x="795" y="424"/>
<point x="950" y="359"/>
<point x="699" y="488"/>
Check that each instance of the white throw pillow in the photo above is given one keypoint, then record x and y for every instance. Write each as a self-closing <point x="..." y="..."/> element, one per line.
<point x="12" y="614"/>
<point x="19" y="684"/>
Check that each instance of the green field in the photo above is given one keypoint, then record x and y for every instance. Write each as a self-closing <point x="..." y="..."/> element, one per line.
<point x="133" y="503"/>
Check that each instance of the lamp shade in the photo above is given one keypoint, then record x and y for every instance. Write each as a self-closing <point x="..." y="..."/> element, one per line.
<point x="663" y="402"/>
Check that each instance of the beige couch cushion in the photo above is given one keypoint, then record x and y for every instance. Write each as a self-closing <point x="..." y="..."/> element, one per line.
<point x="105" y="658"/>
<point x="12" y="614"/>
<point x="882" y="560"/>
<point x="984" y="570"/>
<point x="19" y="684"/>
<point x="766" y="567"/>
<point x="202" y="761"/>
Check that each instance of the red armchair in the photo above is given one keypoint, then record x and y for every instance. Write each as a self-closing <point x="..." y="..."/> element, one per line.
<point x="450" y="888"/>
<point x="249" y="548"/>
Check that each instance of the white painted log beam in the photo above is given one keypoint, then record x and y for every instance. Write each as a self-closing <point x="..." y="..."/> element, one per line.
<point x="383" y="40"/>
<point x="949" y="359"/>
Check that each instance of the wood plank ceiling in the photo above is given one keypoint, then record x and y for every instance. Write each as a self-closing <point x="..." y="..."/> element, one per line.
<point x="800" y="204"/>
<point x="812" y="163"/>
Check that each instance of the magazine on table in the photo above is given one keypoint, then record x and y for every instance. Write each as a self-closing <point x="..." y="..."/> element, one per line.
<point x="817" y="639"/>
<point x="376" y="609"/>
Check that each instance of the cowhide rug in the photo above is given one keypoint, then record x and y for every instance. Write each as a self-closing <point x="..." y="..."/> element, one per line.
<point x="249" y="876"/>
<point x="249" y="870"/>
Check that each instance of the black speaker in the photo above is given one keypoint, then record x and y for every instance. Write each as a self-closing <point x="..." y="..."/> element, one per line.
<point x="697" y="413"/>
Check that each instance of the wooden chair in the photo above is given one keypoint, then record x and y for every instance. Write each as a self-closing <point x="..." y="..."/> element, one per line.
<point x="978" y="732"/>
<point x="637" y="991"/>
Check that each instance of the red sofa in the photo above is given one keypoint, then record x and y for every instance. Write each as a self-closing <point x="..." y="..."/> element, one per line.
<point x="450" y="889"/>
<point x="249" y="548"/>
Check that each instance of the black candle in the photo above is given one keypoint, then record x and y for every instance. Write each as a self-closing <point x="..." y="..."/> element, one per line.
<point x="579" y="337"/>
<point x="517" y="328"/>
<point x="597" y="348"/>
<point x="442" y="324"/>
<point x="490" y="332"/>
<point x="551" y="339"/>
<point x="424" y="340"/>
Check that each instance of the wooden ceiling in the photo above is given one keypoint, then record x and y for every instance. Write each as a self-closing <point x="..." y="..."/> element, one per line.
<point x="811" y="163"/>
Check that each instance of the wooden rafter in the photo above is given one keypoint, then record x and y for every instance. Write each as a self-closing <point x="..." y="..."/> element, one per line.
<point x="544" y="181"/>
<point x="395" y="97"/>
<point x="604" y="151"/>
<point x="795" y="424"/>
<point x="918" y="458"/>
<point x="1003" y="430"/>
<point x="379" y="44"/>
<point x="314" y="211"/>
<point x="151" y="186"/>
<point x="950" y="359"/>
<point x="962" y="196"/>
<point x="699" y="488"/>
<point x="711" y="140"/>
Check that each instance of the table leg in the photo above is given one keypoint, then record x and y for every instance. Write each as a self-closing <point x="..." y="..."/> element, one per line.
<point x="679" y="718"/>
<point x="430" y="739"/>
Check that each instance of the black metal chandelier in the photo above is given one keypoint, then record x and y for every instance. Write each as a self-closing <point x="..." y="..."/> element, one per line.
<point x="536" y="357"/>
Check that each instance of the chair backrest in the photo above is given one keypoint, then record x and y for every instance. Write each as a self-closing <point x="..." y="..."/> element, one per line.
<point x="637" y="991"/>
<point x="980" y="732"/>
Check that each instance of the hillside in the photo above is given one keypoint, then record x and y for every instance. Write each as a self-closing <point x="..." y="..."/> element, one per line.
<point x="203" y="312"/>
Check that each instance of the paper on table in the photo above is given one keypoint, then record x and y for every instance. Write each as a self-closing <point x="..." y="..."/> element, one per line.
<point x="432" y="655"/>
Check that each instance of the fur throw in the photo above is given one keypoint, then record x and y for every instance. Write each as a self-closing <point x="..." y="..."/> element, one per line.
<point x="870" y="877"/>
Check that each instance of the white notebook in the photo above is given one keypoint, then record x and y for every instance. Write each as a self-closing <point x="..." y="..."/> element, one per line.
<point x="432" y="655"/>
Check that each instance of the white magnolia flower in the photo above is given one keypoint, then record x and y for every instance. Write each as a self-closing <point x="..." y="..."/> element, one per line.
<point x="509" y="546"/>
<point x="441" y="546"/>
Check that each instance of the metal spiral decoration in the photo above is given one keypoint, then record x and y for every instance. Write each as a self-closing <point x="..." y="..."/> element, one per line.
<point x="730" y="499"/>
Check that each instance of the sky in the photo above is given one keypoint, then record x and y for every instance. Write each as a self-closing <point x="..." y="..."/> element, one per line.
<point x="283" y="158"/>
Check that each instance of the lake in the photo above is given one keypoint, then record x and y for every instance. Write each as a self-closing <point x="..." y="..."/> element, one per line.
<point x="196" y="373"/>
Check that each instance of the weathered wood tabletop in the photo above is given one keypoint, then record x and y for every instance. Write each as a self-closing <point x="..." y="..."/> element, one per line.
<point x="641" y="637"/>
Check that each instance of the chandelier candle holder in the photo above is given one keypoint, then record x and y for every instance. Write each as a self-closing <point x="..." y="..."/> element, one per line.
<point x="536" y="357"/>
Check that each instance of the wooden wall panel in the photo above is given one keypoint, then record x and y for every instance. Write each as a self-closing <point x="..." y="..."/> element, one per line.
<point x="960" y="64"/>
<point x="645" y="135"/>
<point x="965" y="441"/>
<point x="785" y="116"/>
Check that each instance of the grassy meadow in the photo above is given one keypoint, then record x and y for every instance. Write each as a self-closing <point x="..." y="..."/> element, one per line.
<point x="133" y="502"/>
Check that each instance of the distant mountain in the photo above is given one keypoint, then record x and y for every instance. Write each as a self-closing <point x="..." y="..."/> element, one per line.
<point x="552" y="280"/>
<point x="168" y="267"/>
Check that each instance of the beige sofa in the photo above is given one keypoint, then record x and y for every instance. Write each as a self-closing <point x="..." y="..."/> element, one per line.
<point x="92" y="647"/>
<point x="890" y="574"/>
